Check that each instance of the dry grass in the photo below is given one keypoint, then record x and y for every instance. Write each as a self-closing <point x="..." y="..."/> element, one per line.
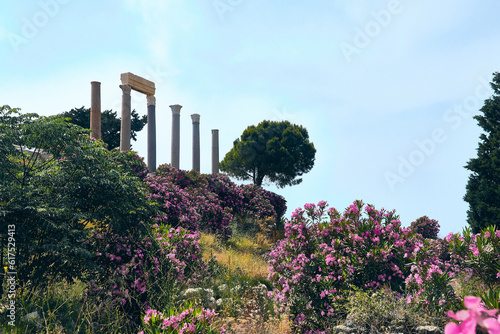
<point x="240" y="254"/>
<point x="249" y="325"/>
<point x="245" y="254"/>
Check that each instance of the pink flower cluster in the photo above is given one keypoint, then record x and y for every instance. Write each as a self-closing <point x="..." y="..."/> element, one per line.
<point x="208" y="202"/>
<point x="476" y="315"/>
<point x="135" y="267"/>
<point x="325" y="253"/>
<point x="190" y="320"/>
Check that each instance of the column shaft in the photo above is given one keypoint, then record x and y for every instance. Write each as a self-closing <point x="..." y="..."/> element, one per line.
<point x="215" y="151"/>
<point x="95" y="110"/>
<point x="196" y="141"/>
<point x="151" y="133"/>
<point x="176" y="135"/>
<point x="125" y="125"/>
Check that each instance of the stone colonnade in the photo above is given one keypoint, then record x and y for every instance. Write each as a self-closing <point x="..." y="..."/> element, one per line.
<point x="133" y="82"/>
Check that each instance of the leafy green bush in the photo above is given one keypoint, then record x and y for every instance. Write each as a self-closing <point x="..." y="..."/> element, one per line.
<point x="53" y="201"/>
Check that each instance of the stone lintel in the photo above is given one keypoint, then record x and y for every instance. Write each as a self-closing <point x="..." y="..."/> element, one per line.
<point x="138" y="83"/>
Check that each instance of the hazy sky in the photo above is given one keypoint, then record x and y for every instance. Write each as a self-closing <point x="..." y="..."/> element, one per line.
<point x="386" y="89"/>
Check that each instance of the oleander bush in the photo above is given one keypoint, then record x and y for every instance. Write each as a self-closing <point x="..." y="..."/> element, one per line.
<point x="208" y="202"/>
<point x="189" y="319"/>
<point x="139" y="271"/>
<point x="325" y="253"/>
<point x="428" y="228"/>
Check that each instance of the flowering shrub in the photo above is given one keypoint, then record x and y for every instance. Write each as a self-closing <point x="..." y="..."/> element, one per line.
<point x="437" y="262"/>
<point x="278" y="202"/>
<point x="432" y="270"/>
<point x="138" y="271"/>
<point x="185" y="201"/>
<point x="313" y="267"/>
<point x="256" y="203"/>
<point x="480" y="257"/>
<point x="428" y="228"/>
<point x="207" y="202"/>
<point x="230" y="195"/>
<point x="480" y="253"/>
<point x="476" y="315"/>
<point x="189" y="320"/>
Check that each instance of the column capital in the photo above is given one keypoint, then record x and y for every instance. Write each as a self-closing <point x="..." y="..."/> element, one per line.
<point x="151" y="100"/>
<point x="176" y="109"/>
<point x="126" y="89"/>
<point x="195" y="118"/>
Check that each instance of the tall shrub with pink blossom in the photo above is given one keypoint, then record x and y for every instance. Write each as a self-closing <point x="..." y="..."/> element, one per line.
<point x="438" y="262"/>
<point x="428" y="228"/>
<point x="432" y="269"/>
<point x="325" y="252"/>
<point x="207" y="202"/>
<point x="137" y="270"/>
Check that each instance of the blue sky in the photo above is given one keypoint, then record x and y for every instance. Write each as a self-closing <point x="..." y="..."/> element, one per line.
<point x="386" y="89"/>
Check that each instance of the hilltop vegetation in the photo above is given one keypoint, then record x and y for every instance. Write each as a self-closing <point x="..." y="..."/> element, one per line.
<point x="104" y="246"/>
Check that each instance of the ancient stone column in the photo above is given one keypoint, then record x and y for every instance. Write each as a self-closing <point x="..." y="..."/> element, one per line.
<point x="125" y="125"/>
<point x="151" y="133"/>
<point x="196" y="141"/>
<point x="215" y="151"/>
<point x="176" y="134"/>
<point x="95" y="110"/>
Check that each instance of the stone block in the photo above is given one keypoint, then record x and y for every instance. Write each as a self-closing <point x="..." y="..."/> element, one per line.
<point x="138" y="83"/>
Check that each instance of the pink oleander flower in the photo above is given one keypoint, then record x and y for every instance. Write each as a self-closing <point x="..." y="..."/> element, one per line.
<point x="475" y="315"/>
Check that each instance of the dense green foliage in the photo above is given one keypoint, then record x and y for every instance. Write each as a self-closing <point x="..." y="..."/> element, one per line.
<point x="52" y="202"/>
<point x="483" y="187"/>
<point x="110" y="124"/>
<point x="80" y="211"/>
<point x="278" y="151"/>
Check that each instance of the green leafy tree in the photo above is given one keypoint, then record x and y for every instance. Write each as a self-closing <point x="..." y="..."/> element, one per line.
<point x="483" y="187"/>
<point x="278" y="151"/>
<point x="56" y="184"/>
<point x="110" y="124"/>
